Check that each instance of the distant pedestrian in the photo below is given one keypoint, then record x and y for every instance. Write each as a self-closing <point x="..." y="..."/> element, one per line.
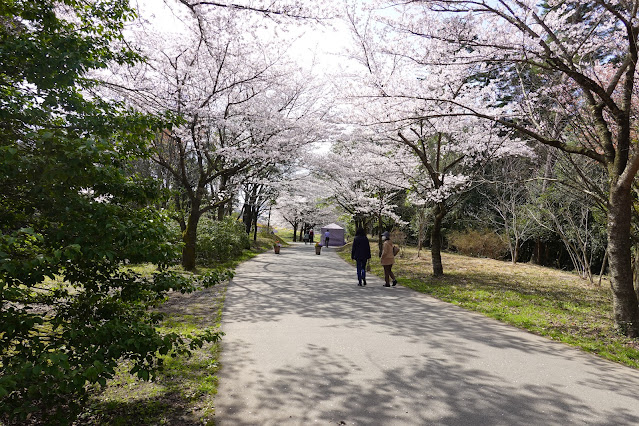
<point x="311" y="235"/>
<point x="361" y="252"/>
<point x="387" y="259"/>
<point x="306" y="237"/>
<point x="327" y="236"/>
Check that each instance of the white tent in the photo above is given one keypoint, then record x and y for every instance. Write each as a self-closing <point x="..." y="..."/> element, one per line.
<point x="336" y="235"/>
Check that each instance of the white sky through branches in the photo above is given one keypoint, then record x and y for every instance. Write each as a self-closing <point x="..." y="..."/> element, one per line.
<point x="319" y="46"/>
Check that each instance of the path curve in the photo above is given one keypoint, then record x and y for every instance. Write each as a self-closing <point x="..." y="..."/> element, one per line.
<point x="304" y="344"/>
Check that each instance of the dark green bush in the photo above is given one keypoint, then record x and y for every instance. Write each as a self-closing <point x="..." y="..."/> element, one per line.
<point x="220" y="240"/>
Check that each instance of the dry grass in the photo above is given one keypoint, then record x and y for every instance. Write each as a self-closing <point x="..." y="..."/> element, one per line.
<point x="545" y="301"/>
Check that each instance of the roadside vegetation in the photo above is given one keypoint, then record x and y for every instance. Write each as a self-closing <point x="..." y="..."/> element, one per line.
<point x="183" y="391"/>
<point x="548" y="302"/>
<point x="106" y="163"/>
<point x="545" y="301"/>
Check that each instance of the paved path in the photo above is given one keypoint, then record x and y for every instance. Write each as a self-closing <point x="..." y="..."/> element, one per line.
<point x="305" y="345"/>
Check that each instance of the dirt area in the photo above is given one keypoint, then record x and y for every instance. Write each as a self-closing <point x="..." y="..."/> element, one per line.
<point x="183" y="393"/>
<point x="203" y="305"/>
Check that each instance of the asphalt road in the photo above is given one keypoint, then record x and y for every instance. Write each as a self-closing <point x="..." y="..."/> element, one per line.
<point x="305" y="345"/>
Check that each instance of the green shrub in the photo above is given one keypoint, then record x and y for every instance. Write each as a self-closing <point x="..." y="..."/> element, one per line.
<point x="485" y="243"/>
<point x="220" y="240"/>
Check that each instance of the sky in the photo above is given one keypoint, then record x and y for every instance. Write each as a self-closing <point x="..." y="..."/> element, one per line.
<point x="157" y="14"/>
<point x="320" y="44"/>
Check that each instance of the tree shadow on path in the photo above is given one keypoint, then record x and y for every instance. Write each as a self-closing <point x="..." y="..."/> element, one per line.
<point x="305" y="343"/>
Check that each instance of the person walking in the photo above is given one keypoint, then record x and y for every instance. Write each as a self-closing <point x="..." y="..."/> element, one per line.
<point x="361" y="252"/>
<point x="311" y="235"/>
<point x="387" y="259"/>
<point x="327" y="235"/>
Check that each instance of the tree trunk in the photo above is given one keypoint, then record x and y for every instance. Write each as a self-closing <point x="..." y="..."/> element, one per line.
<point x="635" y="270"/>
<point x="538" y="257"/>
<point x="439" y="212"/>
<point x="255" y="215"/>
<point x="381" y="230"/>
<point x="626" y="309"/>
<point x="189" y="237"/>
<point x="535" y="259"/>
<point x="512" y="246"/>
<point x="247" y="218"/>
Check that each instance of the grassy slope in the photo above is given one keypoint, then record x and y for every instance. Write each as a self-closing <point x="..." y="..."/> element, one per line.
<point x="545" y="301"/>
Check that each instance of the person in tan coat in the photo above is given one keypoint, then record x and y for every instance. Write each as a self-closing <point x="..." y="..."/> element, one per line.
<point x="387" y="259"/>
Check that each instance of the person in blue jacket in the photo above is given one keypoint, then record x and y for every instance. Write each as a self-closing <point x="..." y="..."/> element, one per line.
<point x="361" y="252"/>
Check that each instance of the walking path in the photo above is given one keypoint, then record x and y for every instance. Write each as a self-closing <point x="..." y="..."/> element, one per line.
<point x="304" y="344"/>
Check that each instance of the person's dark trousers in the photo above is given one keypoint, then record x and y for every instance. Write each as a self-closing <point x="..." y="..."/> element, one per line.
<point x="388" y="273"/>
<point x="326" y="242"/>
<point x="361" y="269"/>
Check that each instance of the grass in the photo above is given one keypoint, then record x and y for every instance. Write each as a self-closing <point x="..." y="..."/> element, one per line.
<point x="284" y="234"/>
<point x="183" y="392"/>
<point x="548" y="302"/>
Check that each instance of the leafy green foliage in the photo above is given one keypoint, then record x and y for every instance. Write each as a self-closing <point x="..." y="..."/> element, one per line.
<point x="219" y="240"/>
<point x="71" y="217"/>
<point x="185" y="385"/>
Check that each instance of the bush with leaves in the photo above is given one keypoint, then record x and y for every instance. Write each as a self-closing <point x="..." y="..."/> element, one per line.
<point x="220" y="240"/>
<point x="485" y="243"/>
<point x="71" y="216"/>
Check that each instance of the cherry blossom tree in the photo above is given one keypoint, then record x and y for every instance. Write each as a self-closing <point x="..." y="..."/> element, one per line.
<point x="438" y="155"/>
<point x="259" y="191"/>
<point x="584" y="55"/>
<point x="299" y="202"/>
<point x="244" y="109"/>
<point x="450" y="159"/>
<point x="359" y="178"/>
